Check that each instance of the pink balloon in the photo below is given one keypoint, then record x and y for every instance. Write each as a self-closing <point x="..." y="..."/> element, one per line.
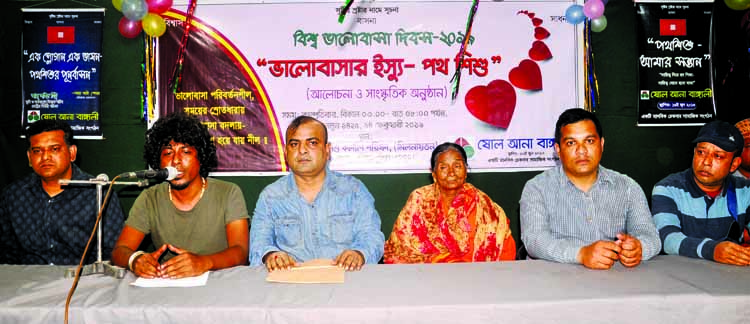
<point x="129" y="28"/>
<point x="158" y="6"/>
<point x="593" y="9"/>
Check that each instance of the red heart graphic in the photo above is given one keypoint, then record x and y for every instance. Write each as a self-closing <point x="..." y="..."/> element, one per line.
<point x="539" y="51"/>
<point x="493" y="104"/>
<point x="526" y="76"/>
<point x="531" y="15"/>
<point x="536" y="21"/>
<point x="540" y="33"/>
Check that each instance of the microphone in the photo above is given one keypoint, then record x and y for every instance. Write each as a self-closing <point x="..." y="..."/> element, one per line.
<point x="167" y="173"/>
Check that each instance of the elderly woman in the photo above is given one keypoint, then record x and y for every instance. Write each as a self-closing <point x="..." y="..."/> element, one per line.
<point x="450" y="220"/>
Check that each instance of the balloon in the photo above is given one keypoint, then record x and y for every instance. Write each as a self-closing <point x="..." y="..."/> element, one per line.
<point x="738" y="4"/>
<point x="154" y="25"/>
<point x="574" y="14"/>
<point x="134" y="9"/>
<point x="158" y="6"/>
<point x="598" y="24"/>
<point x="117" y="4"/>
<point x="593" y="8"/>
<point x="129" y="28"/>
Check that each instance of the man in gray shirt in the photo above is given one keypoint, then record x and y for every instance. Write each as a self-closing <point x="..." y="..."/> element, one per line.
<point x="581" y="212"/>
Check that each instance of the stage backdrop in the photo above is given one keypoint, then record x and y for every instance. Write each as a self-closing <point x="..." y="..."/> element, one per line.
<point x="62" y="51"/>
<point x="381" y="81"/>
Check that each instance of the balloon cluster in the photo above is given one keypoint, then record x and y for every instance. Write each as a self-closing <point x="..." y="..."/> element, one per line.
<point x="142" y="15"/>
<point x="594" y="11"/>
<point x="738" y="4"/>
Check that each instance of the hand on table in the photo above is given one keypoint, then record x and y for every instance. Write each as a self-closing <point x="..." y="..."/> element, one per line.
<point x="599" y="255"/>
<point x="351" y="260"/>
<point x="279" y="260"/>
<point x="185" y="264"/>
<point x="147" y="265"/>
<point x="732" y="253"/>
<point x="632" y="251"/>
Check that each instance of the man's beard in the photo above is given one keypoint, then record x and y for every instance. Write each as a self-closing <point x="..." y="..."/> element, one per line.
<point x="178" y="186"/>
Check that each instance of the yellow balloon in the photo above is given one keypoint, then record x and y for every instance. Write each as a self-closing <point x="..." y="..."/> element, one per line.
<point x="117" y="4"/>
<point x="153" y="25"/>
<point x="738" y="4"/>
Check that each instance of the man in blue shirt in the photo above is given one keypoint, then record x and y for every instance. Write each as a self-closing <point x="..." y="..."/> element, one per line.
<point x="702" y="212"/>
<point x="314" y="212"/>
<point x="43" y="222"/>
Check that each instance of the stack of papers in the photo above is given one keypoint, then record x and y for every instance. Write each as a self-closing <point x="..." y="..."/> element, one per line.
<point x="313" y="271"/>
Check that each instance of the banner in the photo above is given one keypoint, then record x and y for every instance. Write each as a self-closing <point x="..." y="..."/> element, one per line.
<point x="62" y="52"/>
<point x="381" y="81"/>
<point x="674" y="66"/>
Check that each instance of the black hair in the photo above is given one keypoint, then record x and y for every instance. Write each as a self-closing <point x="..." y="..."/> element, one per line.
<point x="447" y="146"/>
<point x="49" y="125"/>
<point x="574" y="115"/>
<point x="297" y="122"/>
<point x="184" y="129"/>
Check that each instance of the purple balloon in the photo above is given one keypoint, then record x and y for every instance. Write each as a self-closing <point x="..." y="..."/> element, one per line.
<point x="129" y="28"/>
<point x="593" y="9"/>
<point x="158" y="6"/>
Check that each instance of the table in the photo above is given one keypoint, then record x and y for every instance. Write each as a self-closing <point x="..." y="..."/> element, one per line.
<point x="667" y="289"/>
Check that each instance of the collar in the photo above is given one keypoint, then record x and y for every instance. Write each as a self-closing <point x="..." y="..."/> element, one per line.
<point x="35" y="181"/>
<point x="291" y="185"/>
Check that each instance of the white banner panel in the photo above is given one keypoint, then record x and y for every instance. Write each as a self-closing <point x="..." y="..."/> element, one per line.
<point x="381" y="81"/>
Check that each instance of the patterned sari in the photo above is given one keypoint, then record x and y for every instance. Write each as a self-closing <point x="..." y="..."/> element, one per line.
<point x="474" y="229"/>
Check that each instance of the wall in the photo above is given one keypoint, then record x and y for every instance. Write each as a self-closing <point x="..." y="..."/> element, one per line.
<point x="646" y="154"/>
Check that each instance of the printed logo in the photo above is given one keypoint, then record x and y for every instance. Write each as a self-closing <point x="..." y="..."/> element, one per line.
<point x="672" y="27"/>
<point x="466" y="146"/>
<point x="61" y="35"/>
<point x="32" y="116"/>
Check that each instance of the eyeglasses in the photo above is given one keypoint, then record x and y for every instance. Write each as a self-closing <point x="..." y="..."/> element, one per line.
<point x="734" y="233"/>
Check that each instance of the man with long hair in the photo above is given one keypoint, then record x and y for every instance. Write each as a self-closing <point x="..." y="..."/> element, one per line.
<point x="198" y="223"/>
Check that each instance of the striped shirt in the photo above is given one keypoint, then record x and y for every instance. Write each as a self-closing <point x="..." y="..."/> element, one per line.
<point x="558" y="219"/>
<point x="690" y="222"/>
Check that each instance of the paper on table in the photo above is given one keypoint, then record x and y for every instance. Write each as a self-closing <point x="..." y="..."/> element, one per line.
<point x="182" y="282"/>
<point x="313" y="271"/>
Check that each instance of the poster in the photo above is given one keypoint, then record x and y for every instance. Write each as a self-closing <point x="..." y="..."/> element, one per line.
<point x="380" y="81"/>
<point x="674" y="63"/>
<point x="62" y="53"/>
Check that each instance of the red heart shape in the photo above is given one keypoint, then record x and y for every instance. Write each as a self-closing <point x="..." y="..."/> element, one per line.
<point x="539" y="51"/>
<point x="531" y="15"/>
<point x="536" y="21"/>
<point x="540" y="33"/>
<point x="493" y="104"/>
<point x="526" y="76"/>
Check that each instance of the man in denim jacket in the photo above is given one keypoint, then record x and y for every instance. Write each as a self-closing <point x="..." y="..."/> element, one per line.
<point x="314" y="212"/>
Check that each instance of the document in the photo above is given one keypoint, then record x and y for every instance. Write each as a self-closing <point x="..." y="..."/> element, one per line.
<point x="182" y="282"/>
<point x="313" y="271"/>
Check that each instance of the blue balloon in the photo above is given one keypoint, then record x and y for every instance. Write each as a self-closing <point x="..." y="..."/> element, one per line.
<point x="574" y="14"/>
<point x="134" y="10"/>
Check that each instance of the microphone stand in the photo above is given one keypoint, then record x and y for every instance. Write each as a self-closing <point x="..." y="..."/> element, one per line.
<point x="100" y="267"/>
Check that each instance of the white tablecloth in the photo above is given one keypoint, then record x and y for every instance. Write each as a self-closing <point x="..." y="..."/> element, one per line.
<point x="667" y="289"/>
